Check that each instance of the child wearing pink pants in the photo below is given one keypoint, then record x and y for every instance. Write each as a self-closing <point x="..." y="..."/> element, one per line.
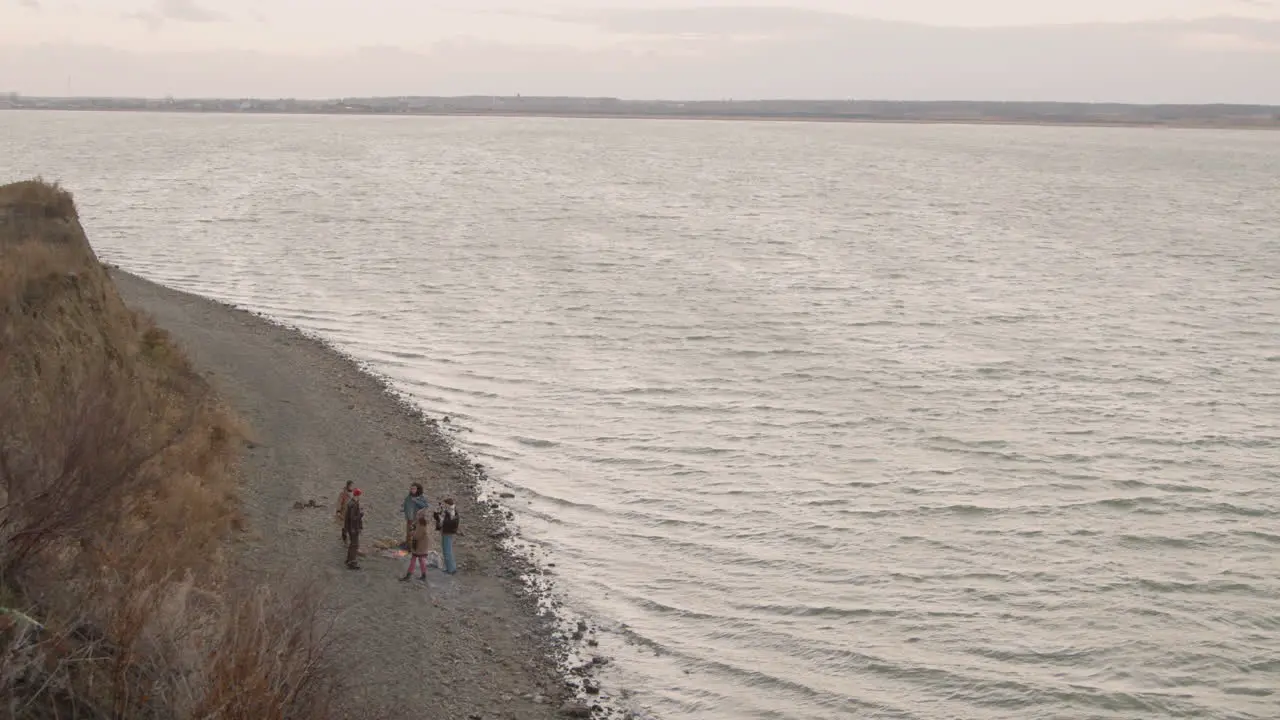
<point x="419" y="546"/>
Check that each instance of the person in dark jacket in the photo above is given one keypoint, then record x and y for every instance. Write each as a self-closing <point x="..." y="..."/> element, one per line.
<point x="447" y="523"/>
<point x="341" y="514"/>
<point x="413" y="502"/>
<point x="352" y="524"/>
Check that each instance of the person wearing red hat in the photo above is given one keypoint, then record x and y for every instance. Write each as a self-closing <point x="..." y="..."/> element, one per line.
<point x="352" y="524"/>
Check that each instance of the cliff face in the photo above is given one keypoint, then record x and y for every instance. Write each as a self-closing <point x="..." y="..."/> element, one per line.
<point x="105" y="423"/>
<point x="58" y="310"/>
<point x="50" y="279"/>
<point x="115" y="478"/>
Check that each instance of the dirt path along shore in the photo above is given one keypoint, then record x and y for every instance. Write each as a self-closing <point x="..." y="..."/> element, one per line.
<point x="467" y="646"/>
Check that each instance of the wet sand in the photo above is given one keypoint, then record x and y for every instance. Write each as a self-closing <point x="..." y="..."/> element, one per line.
<point x="464" y="646"/>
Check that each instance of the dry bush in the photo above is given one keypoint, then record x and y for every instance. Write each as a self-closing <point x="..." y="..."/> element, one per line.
<point x="38" y="198"/>
<point x="171" y="650"/>
<point x="117" y="501"/>
<point x="272" y="659"/>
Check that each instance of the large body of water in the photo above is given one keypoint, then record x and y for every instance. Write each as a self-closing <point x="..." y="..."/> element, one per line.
<point x="827" y="421"/>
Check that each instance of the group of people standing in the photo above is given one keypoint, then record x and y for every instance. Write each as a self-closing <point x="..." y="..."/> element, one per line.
<point x="418" y="526"/>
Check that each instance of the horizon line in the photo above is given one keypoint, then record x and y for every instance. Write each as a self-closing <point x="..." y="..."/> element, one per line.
<point x="624" y="100"/>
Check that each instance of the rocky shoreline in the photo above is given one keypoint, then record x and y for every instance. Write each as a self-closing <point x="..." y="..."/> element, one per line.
<point x="480" y="645"/>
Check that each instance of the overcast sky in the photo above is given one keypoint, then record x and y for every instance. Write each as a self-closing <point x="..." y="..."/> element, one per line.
<point x="1134" y="50"/>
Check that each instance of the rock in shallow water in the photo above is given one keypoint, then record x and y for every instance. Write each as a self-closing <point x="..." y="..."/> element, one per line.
<point x="575" y="710"/>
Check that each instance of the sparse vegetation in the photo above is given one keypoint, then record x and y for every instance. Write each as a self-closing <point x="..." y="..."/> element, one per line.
<point x="117" y="503"/>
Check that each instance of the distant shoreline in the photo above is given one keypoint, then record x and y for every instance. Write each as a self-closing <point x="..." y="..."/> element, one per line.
<point x="1208" y="117"/>
<point x="1147" y="124"/>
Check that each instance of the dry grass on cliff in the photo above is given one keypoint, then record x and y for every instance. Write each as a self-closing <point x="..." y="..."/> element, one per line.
<point x="39" y="198"/>
<point x="117" y="503"/>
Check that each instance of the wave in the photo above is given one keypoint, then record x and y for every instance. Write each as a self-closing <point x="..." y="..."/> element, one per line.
<point x="534" y="442"/>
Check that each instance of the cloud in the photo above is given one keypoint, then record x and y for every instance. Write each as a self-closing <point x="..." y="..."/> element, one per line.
<point x="176" y="11"/>
<point x="187" y="11"/>
<point x="1228" y="42"/>
<point x="1216" y="60"/>
<point x="761" y="21"/>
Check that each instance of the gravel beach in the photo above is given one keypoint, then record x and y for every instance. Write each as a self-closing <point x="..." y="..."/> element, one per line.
<point x="462" y="647"/>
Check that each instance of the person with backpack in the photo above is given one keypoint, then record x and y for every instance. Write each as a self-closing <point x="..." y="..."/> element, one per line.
<point x="419" y="546"/>
<point x="447" y="523"/>
<point x="341" y="515"/>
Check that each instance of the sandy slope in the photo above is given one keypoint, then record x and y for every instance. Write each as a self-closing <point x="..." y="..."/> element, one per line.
<point x="466" y="646"/>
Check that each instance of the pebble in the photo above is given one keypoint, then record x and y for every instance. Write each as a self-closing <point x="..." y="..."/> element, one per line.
<point x="575" y="710"/>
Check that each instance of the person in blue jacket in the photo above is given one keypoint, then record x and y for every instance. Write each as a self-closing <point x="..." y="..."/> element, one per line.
<point x="413" y="502"/>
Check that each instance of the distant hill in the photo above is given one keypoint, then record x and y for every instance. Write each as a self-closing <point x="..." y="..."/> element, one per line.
<point x="1242" y="116"/>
